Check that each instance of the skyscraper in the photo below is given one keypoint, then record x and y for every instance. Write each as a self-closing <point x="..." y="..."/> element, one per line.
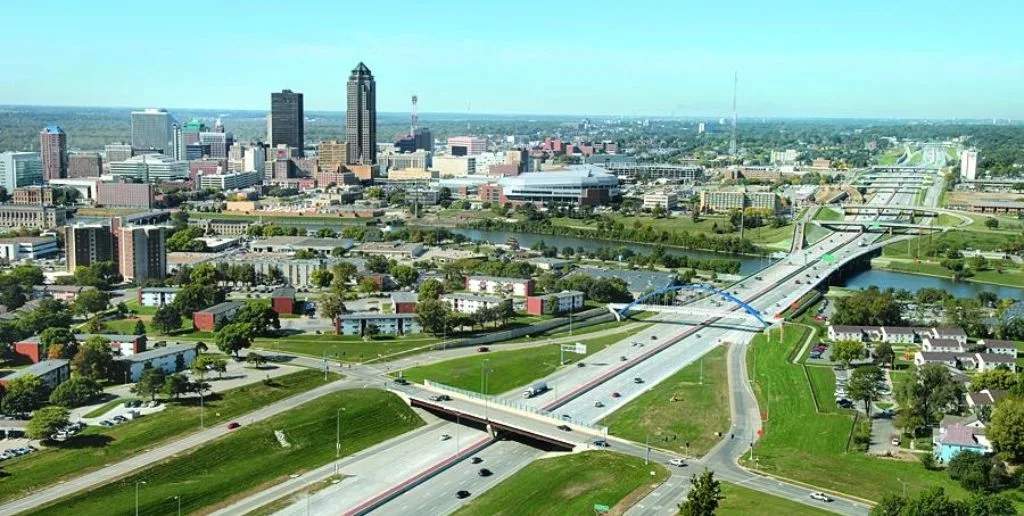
<point x="151" y="130"/>
<point x="53" y="148"/>
<point x="968" y="165"/>
<point x="361" y="117"/>
<point x="88" y="244"/>
<point x="286" y="120"/>
<point x="142" y="253"/>
<point x="19" y="169"/>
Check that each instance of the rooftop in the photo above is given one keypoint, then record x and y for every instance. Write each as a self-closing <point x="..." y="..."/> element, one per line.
<point x="158" y="352"/>
<point x="404" y="297"/>
<point x="466" y="296"/>
<point x="283" y="292"/>
<point x="960" y="435"/>
<point x="374" y="315"/>
<point x="220" y="308"/>
<point x="38" y="369"/>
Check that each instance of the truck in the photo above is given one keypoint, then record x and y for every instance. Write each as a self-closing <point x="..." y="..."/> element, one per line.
<point x="535" y="389"/>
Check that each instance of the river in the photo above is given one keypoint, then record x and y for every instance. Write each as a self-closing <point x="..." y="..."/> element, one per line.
<point x="913" y="282"/>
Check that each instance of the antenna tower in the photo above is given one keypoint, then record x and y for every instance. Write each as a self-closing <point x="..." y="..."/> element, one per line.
<point x="735" y="87"/>
<point x="414" y="118"/>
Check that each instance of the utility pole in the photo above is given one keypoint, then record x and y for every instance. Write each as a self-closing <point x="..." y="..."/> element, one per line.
<point x="647" y="446"/>
<point x="702" y="371"/>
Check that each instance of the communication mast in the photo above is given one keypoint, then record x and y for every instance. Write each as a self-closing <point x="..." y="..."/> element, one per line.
<point x="735" y="87"/>
<point x="414" y="118"/>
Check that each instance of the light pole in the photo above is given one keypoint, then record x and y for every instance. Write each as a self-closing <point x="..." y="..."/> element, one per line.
<point x="178" y="498"/>
<point x="202" y="409"/>
<point x="337" y="444"/>
<point x="484" y="373"/>
<point x="137" y="482"/>
<point x="904" y="486"/>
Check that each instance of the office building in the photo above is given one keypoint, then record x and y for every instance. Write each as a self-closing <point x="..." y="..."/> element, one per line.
<point x="231" y="181"/>
<point x="33" y="195"/>
<point x="454" y="166"/>
<point x="968" y="165"/>
<point x="88" y="244"/>
<point x="218" y="143"/>
<point x="466" y="145"/>
<point x="85" y="164"/>
<point x="53" y="148"/>
<point x="787" y="156"/>
<point x="361" y="117"/>
<point x="151" y="168"/>
<point x="287" y="126"/>
<point x="125" y="195"/>
<point x="254" y="159"/>
<point x="190" y="133"/>
<point x="32" y="216"/>
<point x="722" y="200"/>
<point x="27" y="248"/>
<point x="418" y="160"/>
<point x="142" y="254"/>
<point x="115" y="152"/>
<point x="667" y="200"/>
<point x="18" y="169"/>
<point x="177" y="141"/>
<point x="764" y="201"/>
<point x="331" y="156"/>
<point x="420" y="139"/>
<point x="151" y="131"/>
<point x="197" y="151"/>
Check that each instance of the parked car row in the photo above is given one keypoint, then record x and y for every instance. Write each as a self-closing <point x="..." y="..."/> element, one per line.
<point x="68" y="431"/>
<point x="141" y="404"/>
<point x="16" y="452"/>
<point x="114" y="421"/>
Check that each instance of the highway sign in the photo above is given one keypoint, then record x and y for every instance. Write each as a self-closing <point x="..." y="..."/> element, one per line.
<point x="581" y="349"/>
<point x="828" y="258"/>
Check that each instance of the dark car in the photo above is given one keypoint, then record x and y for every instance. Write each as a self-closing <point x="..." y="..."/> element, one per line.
<point x="580" y="364"/>
<point x="616" y="395"/>
<point x="654" y="337"/>
<point x="564" y="428"/>
<point x="233" y="425"/>
<point x="483" y="349"/>
<point x="476" y="460"/>
<point x="462" y="494"/>
<point x="601" y="442"/>
<point x="401" y="381"/>
<point x="484" y="472"/>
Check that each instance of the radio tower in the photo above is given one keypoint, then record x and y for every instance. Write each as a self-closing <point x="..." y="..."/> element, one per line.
<point x="413" y="118"/>
<point x="735" y="86"/>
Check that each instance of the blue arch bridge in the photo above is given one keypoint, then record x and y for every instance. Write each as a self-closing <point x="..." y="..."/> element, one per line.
<point x="650" y="302"/>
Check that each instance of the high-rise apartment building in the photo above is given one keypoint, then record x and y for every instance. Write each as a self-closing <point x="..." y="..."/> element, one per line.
<point x="142" y="253"/>
<point x="177" y="141"/>
<point x="85" y="164"/>
<point x="286" y="125"/>
<point x="361" y="117"/>
<point x="968" y="165"/>
<point x="53" y="147"/>
<point x="88" y="244"/>
<point x="18" y="169"/>
<point x="151" y="130"/>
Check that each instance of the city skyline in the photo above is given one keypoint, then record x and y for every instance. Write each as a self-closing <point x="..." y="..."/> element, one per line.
<point x="796" y="60"/>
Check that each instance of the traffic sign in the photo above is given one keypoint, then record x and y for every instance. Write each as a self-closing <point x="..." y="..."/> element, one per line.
<point x="581" y="349"/>
<point x="828" y="258"/>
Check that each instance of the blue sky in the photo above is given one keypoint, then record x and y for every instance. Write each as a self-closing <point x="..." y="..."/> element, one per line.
<point x="907" y="58"/>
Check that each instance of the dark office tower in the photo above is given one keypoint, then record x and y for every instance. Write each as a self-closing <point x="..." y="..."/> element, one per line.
<point x="286" y="123"/>
<point x="53" y="148"/>
<point x="361" y="117"/>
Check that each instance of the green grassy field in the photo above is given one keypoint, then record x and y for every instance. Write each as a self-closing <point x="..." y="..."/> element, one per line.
<point x="570" y="484"/>
<point x="346" y="348"/>
<point x="925" y="246"/>
<point x="706" y="224"/>
<point x="103" y="409"/>
<point x="740" y="501"/>
<point x="680" y="409"/>
<point x="1013" y="277"/>
<point x="829" y="214"/>
<point x="127" y="327"/>
<point x="97" y="446"/>
<point x="801" y="444"/>
<point x="251" y="458"/>
<point x="508" y="369"/>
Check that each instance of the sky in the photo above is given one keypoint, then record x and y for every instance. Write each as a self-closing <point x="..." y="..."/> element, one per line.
<point x="795" y="58"/>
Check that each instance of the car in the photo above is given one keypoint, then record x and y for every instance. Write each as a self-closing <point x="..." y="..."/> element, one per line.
<point x="106" y="424"/>
<point x="638" y="380"/>
<point x="564" y="428"/>
<point x="401" y="381"/>
<point x="476" y="460"/>
<point x="698" y="335"/>
<point x="654" y="337"/>
<point x="462" y="494"/>
<point x="601" y="442"/>
<point x="445" y="437"/>
<point x="616" y="395"/>
<point x="580" y="364"/>
<point x="233" y="425"/>
<point x="677" y="462"/>
<point x="483" y="349"/>
<point x="622" y="358"/>
<point x="598" y="404"/>
<point x="821" y="497"/>
<point x="566" y="417"/>
<point x="484" y="472"/>
<point x="895" y="441"/>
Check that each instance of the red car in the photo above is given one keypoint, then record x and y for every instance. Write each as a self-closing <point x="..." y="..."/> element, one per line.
<point x="616" y="395"/>
<point x="483" y="349"/>
<point x="233" y="425"/>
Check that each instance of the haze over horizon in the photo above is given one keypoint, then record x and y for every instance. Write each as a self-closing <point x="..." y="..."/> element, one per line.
<point x="800" y="59"/>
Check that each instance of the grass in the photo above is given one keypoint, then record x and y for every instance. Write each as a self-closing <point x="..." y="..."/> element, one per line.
<point x="127" y="327"/>
<point x="680" y="409"/>
<point x="926" y="246"/>
<point x="508" y="369"/>
<point x="803" y="445"/>
<point x="97" y="446"/>
<point x="103" y="409"/>
<point x="764" y="235"/>
<point x="741" y="501"/>
<point x="347" y="348"/>
<point x="251" y="458"/>
<point x="829" y="214"/>
<point x="1012" y="277"/>
<point x="570" y="484"/>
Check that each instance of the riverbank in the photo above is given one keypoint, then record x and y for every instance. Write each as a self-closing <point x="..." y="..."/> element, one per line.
<point x="1013" y="278"/>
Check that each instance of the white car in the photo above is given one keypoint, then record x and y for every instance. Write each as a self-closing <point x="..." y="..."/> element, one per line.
<point x="677" y="462"/>
<point x="821" y="497"/>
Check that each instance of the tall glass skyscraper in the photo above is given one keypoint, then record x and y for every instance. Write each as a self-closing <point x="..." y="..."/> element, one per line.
<point x="361" y="117"/>
<point x="151" y="130"/>
<point x="286" y="120"/>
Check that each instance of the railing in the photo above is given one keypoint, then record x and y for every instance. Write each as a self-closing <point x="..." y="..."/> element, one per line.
<point x="514" y="405"/>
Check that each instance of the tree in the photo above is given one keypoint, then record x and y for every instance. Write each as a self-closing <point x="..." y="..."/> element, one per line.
<point x="175" y="385"/>
<point x="259" y="318"/>
<point x="150" y="383"/>
<point x="995" y="379"/>
<point x="703" y="498"/>
<point x="866" y="384"/>
<point x="371" y="330"/>
<point x="166" y="319"/>
<point x="233" y="338"/>
<point x="321" y="278"/>
<point x="993" y="505"/>
<point x="343" y="273"/>
<point x="140" y="328"/>
<point x="196" y="295"/>
<point x="377" y="263"/>
<point x="432" y="315"/>
<point x="884" y="354"/>
<point x="991" y="223"/>
<point x="1006" y="431"/>
<point x="925" y="394"/>
<point x="47" y="421"/>
<point x="256" y="359"/>
<point x="846" y="351"/>
<point x="430" y="289"/>
<point x="978" y="473"/>
<point x="368" y="285"/>
<point x="76" y="392"/>
<point x="332" y="304"/>
<point x="60" y="340"/>
<point x="404" y="275"/>
<point x="871" y="307"/>
<point x="94" y="359"/>
<point x="23" y="395"/>
<point x="209" y="363"/>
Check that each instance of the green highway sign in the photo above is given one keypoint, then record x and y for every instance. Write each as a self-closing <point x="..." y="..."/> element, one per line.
<point x="602" y="508"/>
<point x="828" y="258"/>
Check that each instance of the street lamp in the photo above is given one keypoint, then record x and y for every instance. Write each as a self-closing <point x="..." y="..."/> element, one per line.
<point x="178" y="498"/>
<point x="137" y="482"/>
<point x="484" y="373"/>
<point x="337" y="444"/>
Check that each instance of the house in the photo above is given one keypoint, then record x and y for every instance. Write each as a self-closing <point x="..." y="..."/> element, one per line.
<point x="898" y="335"/>
<point x="51" y="372"/>
<point x="31" y="348"/>
<point x="840" y="332"/>
<point x="470" y="303"/>
<point x="494" y="284"/>
<point x="557" y="303"/>
<point x="282" y="300"/>
<point x="548" y="264"/>
<point x="156" y="296"/>
<point x="957" y="334"/>
<point x="984" y="397"/>
<point x="953" y="360"/>
<point x="169" y="358"/>
<point x="396" y="250"/>
<point x="66" y="293"/>
<point x="209" y="319"/>
<point x="999" y="347"/>
<point x="957" y="437"/>
<point x="405" y="302"/>
<point x="942" y="345"/>
<point x="356" y="323"/>
<point x="991" y="361"/>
